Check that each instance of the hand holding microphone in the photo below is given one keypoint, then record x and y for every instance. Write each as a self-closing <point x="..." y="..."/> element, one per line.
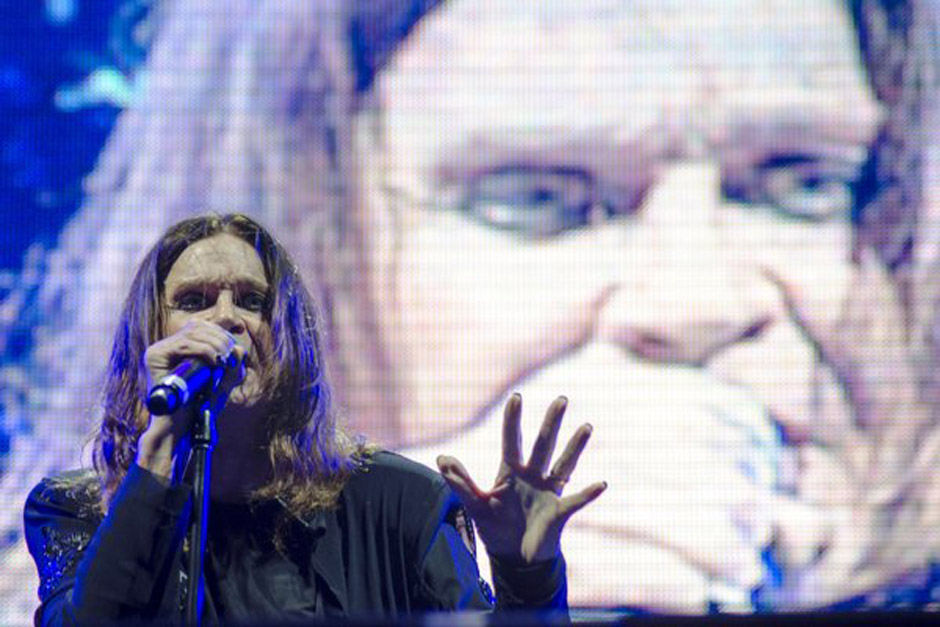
<point x="187" y="382"/>
<point x="178" y="369"/>
<point x="199" y="357"/>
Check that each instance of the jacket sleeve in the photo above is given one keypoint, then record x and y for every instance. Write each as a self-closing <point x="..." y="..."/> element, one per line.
<point x="450" y="579"/>
<point x="114" y="571"/>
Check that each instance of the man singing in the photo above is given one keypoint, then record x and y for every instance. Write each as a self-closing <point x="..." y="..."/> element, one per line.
<point x="305" y="519"/>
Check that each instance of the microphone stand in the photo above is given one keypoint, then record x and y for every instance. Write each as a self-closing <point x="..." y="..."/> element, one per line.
<point x="204" y="438"/>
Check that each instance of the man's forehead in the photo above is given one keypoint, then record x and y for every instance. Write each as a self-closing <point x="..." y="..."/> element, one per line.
<point x="219" y="259"/>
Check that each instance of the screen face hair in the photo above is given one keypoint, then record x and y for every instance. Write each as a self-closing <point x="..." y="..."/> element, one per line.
<point x="649" y="207"/>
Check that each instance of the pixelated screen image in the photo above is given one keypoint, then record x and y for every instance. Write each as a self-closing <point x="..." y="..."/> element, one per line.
<point x="710" y="225"/>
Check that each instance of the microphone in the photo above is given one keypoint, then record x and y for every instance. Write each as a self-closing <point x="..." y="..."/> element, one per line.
<point x="187" y="381"/>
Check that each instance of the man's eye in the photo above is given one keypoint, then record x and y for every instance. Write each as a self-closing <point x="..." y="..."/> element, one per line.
<point x="191" y="301"/>
<point x="254" y="301"/>
<point x="531" y="201"/>
<point x="800" y="188"/>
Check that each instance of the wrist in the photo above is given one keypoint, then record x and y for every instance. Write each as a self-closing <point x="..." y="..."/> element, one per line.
<point x="156" y="453"/>
<point x="518" y="558"/>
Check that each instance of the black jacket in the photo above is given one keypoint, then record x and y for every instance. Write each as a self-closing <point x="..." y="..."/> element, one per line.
<point x="390" y="548"/>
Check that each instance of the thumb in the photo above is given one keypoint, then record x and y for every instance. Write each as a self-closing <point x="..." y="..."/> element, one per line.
<point x="460" y="480"/>
<point x="234" y="370"/>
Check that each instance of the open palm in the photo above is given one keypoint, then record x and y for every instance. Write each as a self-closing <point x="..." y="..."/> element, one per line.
<point x="524" y="512"/>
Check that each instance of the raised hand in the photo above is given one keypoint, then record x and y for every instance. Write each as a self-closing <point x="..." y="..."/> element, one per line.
<point x="524" y="512"/>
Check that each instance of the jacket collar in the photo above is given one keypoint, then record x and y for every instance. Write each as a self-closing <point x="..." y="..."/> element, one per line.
<point x="326" y="558"/>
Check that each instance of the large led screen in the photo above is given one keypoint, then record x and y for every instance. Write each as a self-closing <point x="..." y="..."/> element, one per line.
<point x="710" y="225"/>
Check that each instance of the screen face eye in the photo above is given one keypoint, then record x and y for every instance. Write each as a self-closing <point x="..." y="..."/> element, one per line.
<point x="531" y="201"/>
<point x="537" y="202"/>
<point x="797" y="187"/>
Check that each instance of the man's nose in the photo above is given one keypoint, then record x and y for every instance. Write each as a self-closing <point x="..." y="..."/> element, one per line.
<point x="690" y="300"/>
<point x="225" y="313"/>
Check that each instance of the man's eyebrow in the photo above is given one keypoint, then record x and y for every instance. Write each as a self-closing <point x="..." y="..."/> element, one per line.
<point x="240" y="283"/>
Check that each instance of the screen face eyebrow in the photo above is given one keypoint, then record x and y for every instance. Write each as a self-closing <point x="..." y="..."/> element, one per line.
<point x="749" y="134"/>
<point x="595" y="151"/>
<point x="824" y="133"/>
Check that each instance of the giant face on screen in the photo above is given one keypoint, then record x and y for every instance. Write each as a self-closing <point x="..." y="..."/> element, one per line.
<point x="612" y="201"/>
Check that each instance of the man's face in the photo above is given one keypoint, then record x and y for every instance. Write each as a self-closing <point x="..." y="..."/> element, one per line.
<point x="221" y="280"/>
<point x="580" y="178"/>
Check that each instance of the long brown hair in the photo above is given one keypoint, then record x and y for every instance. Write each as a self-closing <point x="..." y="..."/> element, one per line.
<point x="310" y="452"/>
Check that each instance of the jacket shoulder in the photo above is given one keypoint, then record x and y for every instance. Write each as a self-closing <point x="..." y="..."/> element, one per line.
<point x="60" y="517"/>
<point x="398" y="486"/>
<point x="385" y="470"/>
<point x="413" y="500"/>
<point x="73" y="491"/>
